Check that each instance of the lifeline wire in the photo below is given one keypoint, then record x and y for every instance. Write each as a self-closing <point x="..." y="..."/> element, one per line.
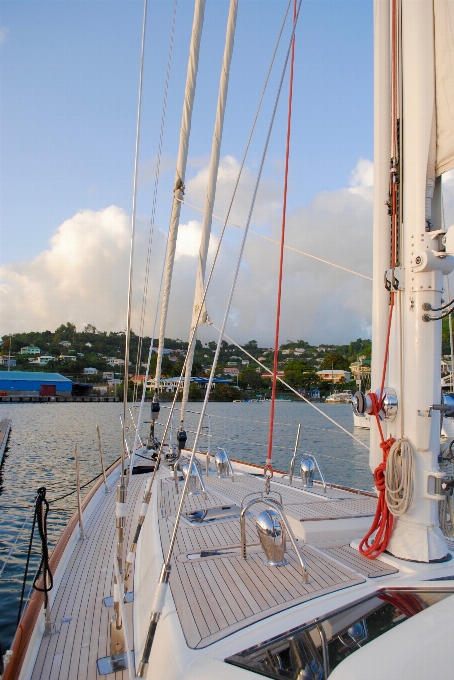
<point x="325" y="415"/>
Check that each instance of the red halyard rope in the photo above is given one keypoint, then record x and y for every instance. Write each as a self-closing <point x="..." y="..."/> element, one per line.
<point x="383" y="520"/>
<point x="269" y="459"/>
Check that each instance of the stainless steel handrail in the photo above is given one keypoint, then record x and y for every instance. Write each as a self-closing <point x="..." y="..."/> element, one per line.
<point x="275" y="505"/>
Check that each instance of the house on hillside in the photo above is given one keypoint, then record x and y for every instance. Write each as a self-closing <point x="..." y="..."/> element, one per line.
<point x="30" y="349"/>
<point x="231" y="370"/>
<point x="334" y="375"/>
<point x="90" y="371"/>
<point x="42" y="360"/>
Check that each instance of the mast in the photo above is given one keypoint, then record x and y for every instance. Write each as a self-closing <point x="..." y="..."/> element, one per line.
<point x="199" y="317"/>
<point x="406" y="407"/>
<point x="416" y="534"/>
<point x="178" y="191"/>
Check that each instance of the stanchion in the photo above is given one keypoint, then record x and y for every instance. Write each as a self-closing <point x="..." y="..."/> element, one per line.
<point x="101" y="455"/>
<point x="79" y="502"/>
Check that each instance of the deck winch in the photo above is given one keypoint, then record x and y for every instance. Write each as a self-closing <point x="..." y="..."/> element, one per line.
<point x="362" y="403"/>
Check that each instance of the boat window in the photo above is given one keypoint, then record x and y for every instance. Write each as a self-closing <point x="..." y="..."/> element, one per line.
<point x="314" y="649"/>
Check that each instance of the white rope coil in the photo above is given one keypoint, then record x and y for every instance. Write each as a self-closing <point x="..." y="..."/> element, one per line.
<point x="446" y="506"/>
<point x="399" y="477"/>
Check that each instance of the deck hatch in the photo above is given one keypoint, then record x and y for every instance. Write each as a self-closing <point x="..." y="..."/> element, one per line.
<point x="315" y="648"/>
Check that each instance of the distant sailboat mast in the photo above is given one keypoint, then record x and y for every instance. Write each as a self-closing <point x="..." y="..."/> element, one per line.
<point x="199" y="316"/>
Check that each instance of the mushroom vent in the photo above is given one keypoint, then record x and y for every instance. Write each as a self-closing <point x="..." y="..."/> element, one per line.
<point x="272" y="538"/>
<point x="307" y="472"/>
<point x="221" y="460"/>
<point x="193" y="477"/>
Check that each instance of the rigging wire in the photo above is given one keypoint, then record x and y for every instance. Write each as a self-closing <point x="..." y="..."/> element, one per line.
<point x="235" y="189"/>
<point x="300" y="396"/>
<point x="155" y="194"/>
<point x="272" y="240"/>
<point x="162" y="586"/>
<point x="232" y="290"/>
<point x="133" y="231"/>
<point x="261" y="422"/>
<point x="269" y="459"/>
<point x="282" y="448"/>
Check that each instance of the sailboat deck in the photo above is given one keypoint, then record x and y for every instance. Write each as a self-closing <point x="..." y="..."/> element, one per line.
<point x="215" y="595"/>
<point x="208" y="566"/>
<point x="80" y="617"/>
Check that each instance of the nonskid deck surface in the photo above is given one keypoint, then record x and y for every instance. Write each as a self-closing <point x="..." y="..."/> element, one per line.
<point x="205" y="615"/>
<point x="71" y="654"/>
<point x="220" y="594"/>
<point x="216" y="592"/>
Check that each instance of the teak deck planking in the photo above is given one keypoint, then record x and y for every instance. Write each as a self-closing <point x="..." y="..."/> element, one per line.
<point x="214" y="605"/>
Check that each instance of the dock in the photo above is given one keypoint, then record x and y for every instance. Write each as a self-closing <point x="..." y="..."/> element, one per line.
<point x="5" y="429"/>
<point x="41" y="400"/>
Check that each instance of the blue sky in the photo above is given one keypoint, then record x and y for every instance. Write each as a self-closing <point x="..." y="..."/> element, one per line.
<point x="69" y="73"/>
<point x="69" y="79"/>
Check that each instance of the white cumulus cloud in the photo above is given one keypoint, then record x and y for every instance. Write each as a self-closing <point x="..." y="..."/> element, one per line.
<point x="82" y="276"/>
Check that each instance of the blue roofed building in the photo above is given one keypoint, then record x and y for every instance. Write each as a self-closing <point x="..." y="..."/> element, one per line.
<point x="28" y="383"/>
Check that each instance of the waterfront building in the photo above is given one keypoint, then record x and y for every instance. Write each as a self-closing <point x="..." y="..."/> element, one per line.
<point x="27" y="383"/>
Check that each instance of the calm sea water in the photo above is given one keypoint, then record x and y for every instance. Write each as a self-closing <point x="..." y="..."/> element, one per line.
<point x="41" y="453"/>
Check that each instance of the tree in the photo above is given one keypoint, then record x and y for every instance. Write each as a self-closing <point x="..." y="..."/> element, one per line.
<point x="334" y="361"/>
<point x="300" y="376"/>
<point x="250" y="379"/>
<point x="224" y="393"/>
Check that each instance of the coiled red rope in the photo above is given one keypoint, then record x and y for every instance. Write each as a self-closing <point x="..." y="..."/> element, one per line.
<point x="382" y="524"/>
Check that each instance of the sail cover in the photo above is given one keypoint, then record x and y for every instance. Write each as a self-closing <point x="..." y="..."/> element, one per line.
<point x="444" y="83"/>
